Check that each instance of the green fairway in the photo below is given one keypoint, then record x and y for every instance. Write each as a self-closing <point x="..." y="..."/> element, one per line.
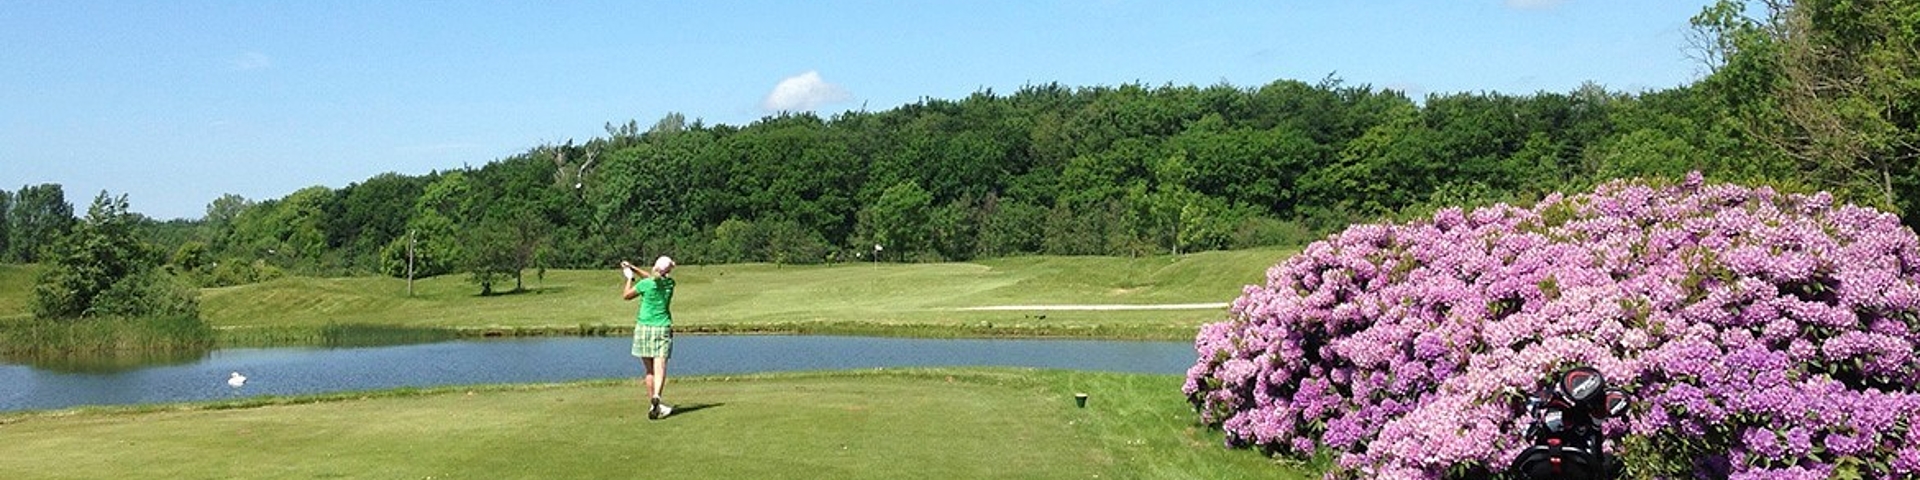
<point x="942" y="423"/>
<point x="857" y="298"/>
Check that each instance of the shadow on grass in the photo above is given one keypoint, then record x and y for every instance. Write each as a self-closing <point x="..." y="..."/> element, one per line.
<point x="679" y="410"/>
<point x="532" y="290"/>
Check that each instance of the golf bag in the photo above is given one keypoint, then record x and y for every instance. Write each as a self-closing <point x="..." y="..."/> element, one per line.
<point x="1565" y="429"/>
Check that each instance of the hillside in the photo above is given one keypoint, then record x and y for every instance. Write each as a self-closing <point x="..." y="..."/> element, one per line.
<point x="766" y="295"/>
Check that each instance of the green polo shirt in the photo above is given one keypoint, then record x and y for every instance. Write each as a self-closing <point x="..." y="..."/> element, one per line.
<point x="656" y="301"/>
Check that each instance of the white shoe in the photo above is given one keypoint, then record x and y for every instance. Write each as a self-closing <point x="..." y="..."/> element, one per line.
<point x="664" y="410"/>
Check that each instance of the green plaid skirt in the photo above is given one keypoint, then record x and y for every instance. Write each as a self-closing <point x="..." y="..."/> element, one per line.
<point x="650" y="341"/>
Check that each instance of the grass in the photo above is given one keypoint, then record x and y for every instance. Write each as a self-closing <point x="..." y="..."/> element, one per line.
<point x="938" y="423"/>
<point x="885" y="299"/>
<point x="16" y="291"/>
<point x="931" y="423"/>
<point x="107" y="339"/>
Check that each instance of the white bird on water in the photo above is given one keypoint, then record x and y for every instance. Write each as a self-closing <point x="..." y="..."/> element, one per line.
<point x="236" y="380"/>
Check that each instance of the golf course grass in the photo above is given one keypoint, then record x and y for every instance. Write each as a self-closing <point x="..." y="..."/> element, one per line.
<point x="919" y="423"/>
<point x="16" y="291"/>
<point x="868" y="299"/>
<point x="912" y="423"/>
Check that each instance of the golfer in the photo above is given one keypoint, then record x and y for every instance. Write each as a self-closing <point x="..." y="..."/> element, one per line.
<point x="653" y="330"/>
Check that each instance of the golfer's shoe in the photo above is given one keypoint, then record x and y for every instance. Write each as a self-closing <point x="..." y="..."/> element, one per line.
<point x="664" y="410"/>
<point x="653" y="412"/>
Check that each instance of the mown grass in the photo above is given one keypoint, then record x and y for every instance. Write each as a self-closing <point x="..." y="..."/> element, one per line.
<point x="943" y="423"/>
<point x="883" y="299"/>
<point x="932" y="423"/>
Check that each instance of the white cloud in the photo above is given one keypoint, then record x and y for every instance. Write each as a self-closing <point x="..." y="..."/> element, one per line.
<point x="1534" y="4"/>
<point x="803" y="92"/>
<point x="252" y="61"/>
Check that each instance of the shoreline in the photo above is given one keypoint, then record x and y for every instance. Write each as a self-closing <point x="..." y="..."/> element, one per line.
<point x="353" y="334"/>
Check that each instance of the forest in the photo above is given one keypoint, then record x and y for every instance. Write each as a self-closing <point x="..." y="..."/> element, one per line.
<point x="1801" y="96"/>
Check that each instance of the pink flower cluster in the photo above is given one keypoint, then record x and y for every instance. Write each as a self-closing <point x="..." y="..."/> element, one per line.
<point x="1761" y="335"/>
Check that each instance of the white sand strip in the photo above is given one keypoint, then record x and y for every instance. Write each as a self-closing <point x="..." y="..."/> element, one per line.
<point x="1163" y="306"/>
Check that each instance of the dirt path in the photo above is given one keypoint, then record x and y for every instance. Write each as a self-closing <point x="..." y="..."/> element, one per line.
<point x="1163" y="306"/>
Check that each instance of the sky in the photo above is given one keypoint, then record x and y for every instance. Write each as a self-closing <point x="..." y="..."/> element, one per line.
<point x="176" y="103"/>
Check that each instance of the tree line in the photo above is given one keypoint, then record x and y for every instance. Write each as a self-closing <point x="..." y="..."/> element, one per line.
<point x="1802" y="95"/>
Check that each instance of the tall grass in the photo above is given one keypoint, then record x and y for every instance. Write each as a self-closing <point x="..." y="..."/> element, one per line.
<point x="333" y="335"/>
<point x="88" y="342"/>
<point x="106" y="342"/>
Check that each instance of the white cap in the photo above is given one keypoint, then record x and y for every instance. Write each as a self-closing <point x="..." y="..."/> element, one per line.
<point x="663" y="265"/>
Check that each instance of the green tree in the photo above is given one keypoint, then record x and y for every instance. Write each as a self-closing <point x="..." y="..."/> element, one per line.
<point x="898" y="220"/>
<point x="288" y="232"/>
<point x="1096" y="227"/>
<point x="435" y="234"/>
<point x="1378" y="172"/>
<point x="217" y="225"/>
<point x="6" y="203"/>
<point x="1832" y="84"/>
<point x="638" y="194"/>
<point x="190" y="257"/>
<point x="490" y="255"/>
<point x="790" y="242"/>
<point x="1242" y="165"/>
<point x="532" y="242"/>
<point x="1010" y="227"/>
<point x="39" y="215"/>
<point x="736" y="240"/>
<point x="505" y="246"/>
<point x="103" y="268"/>
<point x="954" y="229"/>
<point x="366" y="216"/>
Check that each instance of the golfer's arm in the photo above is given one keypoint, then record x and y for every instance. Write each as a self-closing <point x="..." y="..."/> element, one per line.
<point x="628" y="293"/>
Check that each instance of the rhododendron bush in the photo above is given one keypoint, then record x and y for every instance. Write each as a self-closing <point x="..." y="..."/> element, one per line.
<point x="1761" y="335"/>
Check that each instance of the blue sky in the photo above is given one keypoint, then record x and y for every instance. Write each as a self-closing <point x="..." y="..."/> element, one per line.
<point x="175" y="103"/>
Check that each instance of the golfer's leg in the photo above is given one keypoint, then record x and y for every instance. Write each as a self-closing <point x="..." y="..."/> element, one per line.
<point x="650" y="379"/>
<point x="659" y="369"/>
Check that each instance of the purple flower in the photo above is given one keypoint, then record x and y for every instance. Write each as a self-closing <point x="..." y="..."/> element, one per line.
<point x="1845" y="444"/>
<point x="1906" y="461"/>
<point x="1782" y="320"/>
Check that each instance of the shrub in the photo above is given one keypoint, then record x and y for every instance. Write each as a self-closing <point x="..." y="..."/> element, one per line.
<point x="1259" y="231"/>
<point x="238" y="272"/>
<point x="150" y="292"/>
<point x="1762" y="336"/>
<point x="85" y="264"/>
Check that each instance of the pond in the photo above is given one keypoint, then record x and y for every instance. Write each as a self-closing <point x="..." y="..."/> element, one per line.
<point x="297" y="371"/>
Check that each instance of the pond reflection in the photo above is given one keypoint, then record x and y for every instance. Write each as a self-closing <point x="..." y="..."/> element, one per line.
<point x="105" y="362"/>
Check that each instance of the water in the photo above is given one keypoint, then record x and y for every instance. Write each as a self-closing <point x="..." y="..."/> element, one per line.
<point x="296" y="371"/>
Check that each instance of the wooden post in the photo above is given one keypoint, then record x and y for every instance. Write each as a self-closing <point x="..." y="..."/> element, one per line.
<point x="410" y="242"/>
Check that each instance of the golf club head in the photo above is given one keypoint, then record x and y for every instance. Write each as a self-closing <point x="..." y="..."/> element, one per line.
<point x="1616" y="402"/>
<point x="1583" y="385"/>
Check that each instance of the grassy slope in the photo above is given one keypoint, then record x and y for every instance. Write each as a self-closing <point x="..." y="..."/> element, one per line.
<point x="945" y="423"/>
<point x="762" y="294"/>
<point x="16" y="290"/>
